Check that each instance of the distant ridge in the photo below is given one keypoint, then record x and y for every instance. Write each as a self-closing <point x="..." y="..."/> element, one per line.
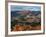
<point x="17" y="13"/>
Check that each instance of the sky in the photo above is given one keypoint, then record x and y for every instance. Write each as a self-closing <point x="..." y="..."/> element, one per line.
<point x="31" y="8"/>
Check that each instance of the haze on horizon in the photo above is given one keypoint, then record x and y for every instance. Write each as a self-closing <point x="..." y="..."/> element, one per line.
<point x="19" y="8"/>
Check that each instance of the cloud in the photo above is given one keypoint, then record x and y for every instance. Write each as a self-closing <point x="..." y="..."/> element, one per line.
<point x="32" y="8"/>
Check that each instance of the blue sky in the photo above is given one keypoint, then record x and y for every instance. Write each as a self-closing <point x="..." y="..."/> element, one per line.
<point x="31" y="8"/>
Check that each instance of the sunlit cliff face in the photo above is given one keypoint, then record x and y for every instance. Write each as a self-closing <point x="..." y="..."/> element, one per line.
<point x="32" y="19"/>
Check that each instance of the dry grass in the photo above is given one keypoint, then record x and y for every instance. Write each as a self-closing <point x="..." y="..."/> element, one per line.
<point x="26" y="27"/>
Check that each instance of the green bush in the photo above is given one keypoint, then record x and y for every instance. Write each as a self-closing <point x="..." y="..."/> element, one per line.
<point x="13" y="23"/>
<point x="35" y="23"/>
